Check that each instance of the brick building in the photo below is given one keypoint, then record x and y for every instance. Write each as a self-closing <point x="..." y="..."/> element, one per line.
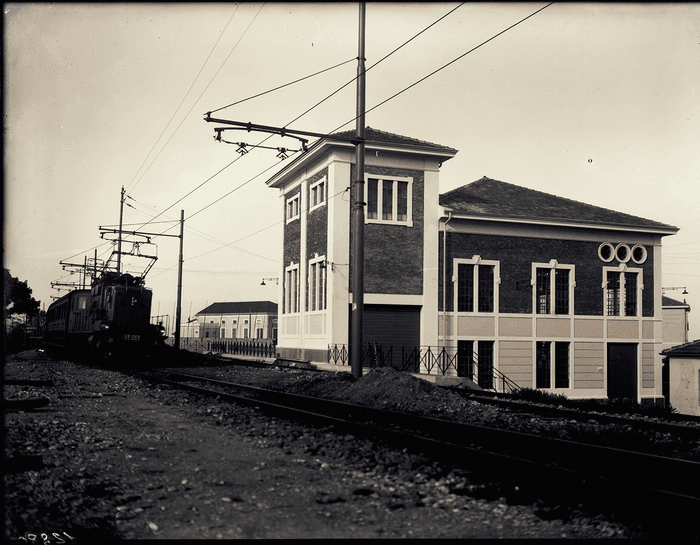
<point x="553" y="293"/>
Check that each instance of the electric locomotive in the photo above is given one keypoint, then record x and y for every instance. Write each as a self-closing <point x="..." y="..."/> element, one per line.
<point x="110" y="319"/>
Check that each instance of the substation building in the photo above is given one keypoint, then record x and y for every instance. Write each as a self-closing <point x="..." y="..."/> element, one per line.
<point x="488" y="282"/>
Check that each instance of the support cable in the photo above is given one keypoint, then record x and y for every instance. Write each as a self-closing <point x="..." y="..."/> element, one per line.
<point x="178" y="108"/>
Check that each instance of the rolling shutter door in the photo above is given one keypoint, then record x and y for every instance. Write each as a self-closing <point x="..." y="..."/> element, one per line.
<point x="392" y="325"/>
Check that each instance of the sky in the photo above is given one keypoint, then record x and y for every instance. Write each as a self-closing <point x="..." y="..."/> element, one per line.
<point x="597" y="103"/>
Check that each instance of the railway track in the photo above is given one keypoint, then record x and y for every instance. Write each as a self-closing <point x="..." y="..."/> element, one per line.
<point x="548" y="411"/>
<point x="525" y="467"/>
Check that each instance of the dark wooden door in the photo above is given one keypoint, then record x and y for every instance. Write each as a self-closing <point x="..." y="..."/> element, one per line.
<point x="622" y="371"/>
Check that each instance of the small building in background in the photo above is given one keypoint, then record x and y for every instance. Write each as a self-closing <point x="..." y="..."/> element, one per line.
<point x="684" y="377"/>
<point x="675" y="319"/>
<point x="239" y="320"/>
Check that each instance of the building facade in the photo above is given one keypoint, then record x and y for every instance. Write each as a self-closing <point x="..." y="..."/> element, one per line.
<point x="554" y="294"/>
<point x="676" y="324"/>
<point x="684" y="377"/>
<point x="235" y="321"/>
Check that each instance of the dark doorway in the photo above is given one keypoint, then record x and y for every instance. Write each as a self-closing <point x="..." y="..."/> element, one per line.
<point x="622" y="371"/>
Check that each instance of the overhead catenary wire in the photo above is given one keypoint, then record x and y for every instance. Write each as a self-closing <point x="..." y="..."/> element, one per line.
<point x="206" y="87"/>
<point x="129" y="186"/>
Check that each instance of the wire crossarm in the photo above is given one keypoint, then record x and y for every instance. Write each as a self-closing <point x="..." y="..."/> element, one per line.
<point x="282" y="131"/>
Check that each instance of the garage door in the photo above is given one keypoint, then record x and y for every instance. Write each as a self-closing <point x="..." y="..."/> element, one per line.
<point x="392" y="325"/>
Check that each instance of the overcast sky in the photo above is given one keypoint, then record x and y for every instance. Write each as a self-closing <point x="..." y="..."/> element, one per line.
<point x="593" y="102"/>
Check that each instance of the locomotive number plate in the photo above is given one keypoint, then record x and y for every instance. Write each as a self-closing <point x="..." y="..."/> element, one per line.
<point x="127" y="337"/>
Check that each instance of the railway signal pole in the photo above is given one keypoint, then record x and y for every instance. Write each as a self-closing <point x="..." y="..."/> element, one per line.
<point x="358" y="204"/>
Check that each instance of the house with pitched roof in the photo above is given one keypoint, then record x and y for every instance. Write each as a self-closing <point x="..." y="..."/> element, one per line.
<point x="235" y="320"/>
<point x="684" y="377"/>
<point x="488" y="282"/>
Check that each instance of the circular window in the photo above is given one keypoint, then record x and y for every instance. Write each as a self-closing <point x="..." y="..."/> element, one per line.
<point x="606" y="251"/>
<point x="623" y="253"/>
<point x="639" y="253"/>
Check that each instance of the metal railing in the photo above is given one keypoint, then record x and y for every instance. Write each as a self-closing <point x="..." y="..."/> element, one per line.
<point x="250" y="347"/>
<point x="438" y="360"/>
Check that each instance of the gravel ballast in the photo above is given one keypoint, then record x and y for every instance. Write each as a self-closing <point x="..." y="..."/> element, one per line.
<point x="124" y="459"/>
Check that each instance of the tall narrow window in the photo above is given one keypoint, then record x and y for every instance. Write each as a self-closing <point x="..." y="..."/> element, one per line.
<point x="543" y="291"/>
<point x="613" y="293"/>
<point x="485" y="288"/>
<point x="387" y="200"/>
<point x="292" y="290"/>
<point x="317" y="284"/>
<point x="561" y="291"/>
<point x="544" y="364"/>
<point x="293" y="208"/>
<point x="465" y="288"/>
<point x="372" y="198"/>
<point x="485" y="364"/>
<point x="561" y="365"/>
<point x="465" y="359"/>
<point x="630" y="294"/>
<point x="402" y="201"/>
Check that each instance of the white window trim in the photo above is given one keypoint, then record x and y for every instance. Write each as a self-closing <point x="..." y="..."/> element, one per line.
<point x="552" y="265"/>
<point x="322" y="279"/>
<point x="291" y="217"/>
<point x="409" y="199"/>
<point x="325" y="193"/>
<point x="476" y="260"/>
<point x="288" y="292"/>
<point x="623" y="268"/>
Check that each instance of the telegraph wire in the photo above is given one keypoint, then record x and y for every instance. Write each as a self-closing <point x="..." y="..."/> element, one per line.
<point x="282" y="86"/>
<point x="178" y="109"/>
<point x="204" y="91"/>
<point x="296" y="118"/>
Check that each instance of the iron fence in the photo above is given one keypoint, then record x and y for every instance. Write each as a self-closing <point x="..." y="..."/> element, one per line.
<point x="259" y="348"/>
<point x="437" y="360"/>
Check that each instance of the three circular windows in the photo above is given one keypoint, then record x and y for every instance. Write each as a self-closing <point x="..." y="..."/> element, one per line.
<point x="622" y="252"/>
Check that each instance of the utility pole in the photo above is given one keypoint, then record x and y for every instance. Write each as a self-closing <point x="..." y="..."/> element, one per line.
<point x="119" y="239"/>
<point x="178" y="310"/>
<point x="358" y="211"/>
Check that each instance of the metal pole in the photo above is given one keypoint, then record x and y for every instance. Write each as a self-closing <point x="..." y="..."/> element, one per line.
<point x="119" y="240"/>
<point x="358" y="210"/>
<point x="178" y="310"/>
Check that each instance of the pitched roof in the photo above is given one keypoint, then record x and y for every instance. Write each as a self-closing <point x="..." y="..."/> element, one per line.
<point x="691" y="349"/>
<point x="490" y="198"/>
<point x="373" y="138"/>
<point x="375" y="135"/>
<point x="240" y="307"/>
<point x="669" y="302"/>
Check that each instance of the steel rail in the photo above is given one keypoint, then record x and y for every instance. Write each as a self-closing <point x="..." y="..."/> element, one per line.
<point x="668" y="476"/>
<point x="581" y="415"/>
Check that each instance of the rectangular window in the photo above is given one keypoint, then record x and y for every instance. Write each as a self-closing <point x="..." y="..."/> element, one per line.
<point x="630" y="294"/>
<point x="544" y="364"/>
<point x="389" y="200"/>
<point x="561" y="365"/>
<point x="485" y="365"/>
<point x="465" y="288"/>
<point x="476" y="285"/>
<point x="544" y="374"/>
<point x="372" y="198"/>
<point x="552" y="287"/>
<point x="465" y="359"/>
<point x="291" y="290"/>
<point x="293" y="208"/>
<point x="317" y="194"/>
<point x="612" y="293"/>
<point x="561" y="291"/>
<point x="486" y="288"/>
<point x="317" y="284"/>
<point x="622" y="291"/>
<point x="543" y="291"/>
